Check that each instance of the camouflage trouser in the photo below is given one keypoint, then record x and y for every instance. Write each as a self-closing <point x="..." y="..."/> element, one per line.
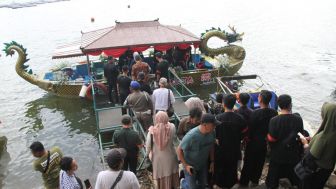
<point x="145" y="119"/>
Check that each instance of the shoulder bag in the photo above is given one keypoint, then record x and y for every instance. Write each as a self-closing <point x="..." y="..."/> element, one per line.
<point x="150" y="154"/>
<point x="48" y="162"/>
<point x="306" y="167"/>
<point x="117" y="179"/>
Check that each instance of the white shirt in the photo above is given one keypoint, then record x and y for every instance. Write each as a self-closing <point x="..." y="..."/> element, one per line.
<point x="105" y="179"/>
<point x="160" y="98"/>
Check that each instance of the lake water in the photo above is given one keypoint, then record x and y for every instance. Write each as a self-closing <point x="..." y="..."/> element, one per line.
<point x="291" y="44"/>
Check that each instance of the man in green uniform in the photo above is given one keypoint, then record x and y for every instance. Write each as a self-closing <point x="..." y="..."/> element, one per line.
<point x="130" y="140"/>
<point x="48" y="163"/>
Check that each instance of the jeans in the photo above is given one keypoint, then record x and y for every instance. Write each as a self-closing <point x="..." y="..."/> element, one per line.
<point x="197" y="181"/>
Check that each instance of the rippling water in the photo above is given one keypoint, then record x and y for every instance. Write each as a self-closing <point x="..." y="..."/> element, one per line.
<point x="291" y="44"/>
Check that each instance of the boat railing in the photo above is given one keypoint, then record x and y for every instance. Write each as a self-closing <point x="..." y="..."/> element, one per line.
<point x="178" y="86"/>
<point x="143" y="135"/>
<point x="224" y="88"/>
<point x="107" y="124"/>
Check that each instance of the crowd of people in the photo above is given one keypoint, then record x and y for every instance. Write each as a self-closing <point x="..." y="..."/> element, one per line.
<point x="210" y="150"/>
<point x="138" y="70"/>
<point x="212" y="145"/>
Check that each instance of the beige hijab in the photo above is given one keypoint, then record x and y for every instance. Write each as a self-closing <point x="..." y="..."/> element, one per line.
<point x="161" y="131"/>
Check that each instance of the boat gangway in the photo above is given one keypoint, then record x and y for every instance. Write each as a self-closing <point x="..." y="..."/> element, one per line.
<point x="108" y="117"/>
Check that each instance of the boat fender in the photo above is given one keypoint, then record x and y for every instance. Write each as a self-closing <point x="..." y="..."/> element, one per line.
<point x="88" y="94"/>
<point x="83" y="90"/>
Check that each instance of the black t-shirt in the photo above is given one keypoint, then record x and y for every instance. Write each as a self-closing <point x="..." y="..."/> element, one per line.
<point x="245" y="112"/>
<point x="145" y="87"/>
<point x="111" y="72"/>
<point x="124" y="85"/>
<point x="229" y="135"/>
<point x="259" y="122"/>
<point x="128" y="139"/>
<point x="163" y="68"/>
<point x="287" y="147"/>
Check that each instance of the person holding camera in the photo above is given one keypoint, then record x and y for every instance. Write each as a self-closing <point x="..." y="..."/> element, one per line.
<point x="286" y="150"/>
<point x="194" y="151"/>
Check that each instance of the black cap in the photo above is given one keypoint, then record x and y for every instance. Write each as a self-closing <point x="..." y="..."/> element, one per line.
<point x="115" y="156"/>
<point x="209" y="118"/>
<point x="158" y="54"/>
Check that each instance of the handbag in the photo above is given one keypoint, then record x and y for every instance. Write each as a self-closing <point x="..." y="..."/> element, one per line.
<point x="170" y="110"/>
<point x="150" y="154"/>
<point x="79" y="182"/>
<point x="306" y="167"/>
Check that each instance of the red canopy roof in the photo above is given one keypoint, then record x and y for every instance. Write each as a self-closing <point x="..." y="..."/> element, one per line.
<point x="136" y="36"/>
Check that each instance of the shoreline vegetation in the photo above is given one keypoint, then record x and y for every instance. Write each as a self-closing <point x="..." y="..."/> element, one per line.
<point x="16" y="5"/>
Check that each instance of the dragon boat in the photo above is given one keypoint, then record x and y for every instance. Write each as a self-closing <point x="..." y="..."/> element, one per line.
<point x="115" y="41"/>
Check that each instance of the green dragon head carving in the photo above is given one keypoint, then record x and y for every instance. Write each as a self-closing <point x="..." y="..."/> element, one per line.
<point x="9" y="51"/>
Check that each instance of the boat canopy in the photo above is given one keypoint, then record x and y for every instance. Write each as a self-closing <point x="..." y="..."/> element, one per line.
<point x="136" y="36"/>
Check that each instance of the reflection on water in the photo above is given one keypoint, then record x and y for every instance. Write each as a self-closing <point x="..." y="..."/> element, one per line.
<point x="74" y="112"/>
<point x="67" y="123"/>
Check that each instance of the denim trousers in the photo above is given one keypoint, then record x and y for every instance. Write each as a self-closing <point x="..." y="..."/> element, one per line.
<point x="196" y="181"/>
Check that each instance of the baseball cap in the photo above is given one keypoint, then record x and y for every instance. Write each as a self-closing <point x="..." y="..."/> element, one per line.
<point x="115" y="156"/>
<point x="158" y="54"/>
<point x="135" y="85"/>
<point x="209" y="118"/>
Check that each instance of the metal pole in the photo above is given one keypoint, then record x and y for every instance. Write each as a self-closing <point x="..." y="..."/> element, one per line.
<point x="88" y="64"/>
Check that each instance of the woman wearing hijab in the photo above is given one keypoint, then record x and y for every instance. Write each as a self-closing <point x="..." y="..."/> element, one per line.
<point x="160" y="146"/>
<point x="323" y="148"/>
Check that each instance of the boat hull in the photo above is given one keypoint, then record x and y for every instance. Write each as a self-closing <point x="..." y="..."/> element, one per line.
<point x="200" y="77"/>
<point x="68" y="91"/>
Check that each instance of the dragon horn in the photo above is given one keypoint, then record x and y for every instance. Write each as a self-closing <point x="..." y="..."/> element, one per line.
<point x="233" y="29"/>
